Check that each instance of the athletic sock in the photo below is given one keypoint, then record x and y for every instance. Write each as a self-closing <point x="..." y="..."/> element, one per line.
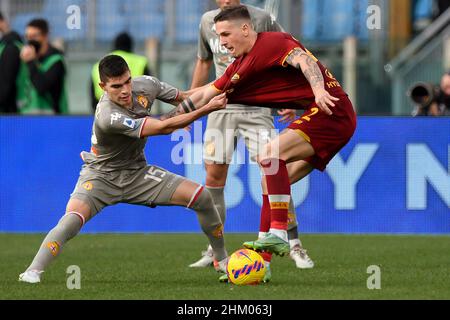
<point x="210" y="222"/>
<point x="295" y="242"/>
<point x="267" y="256"/>
<point x="218" y="196"/>
<point x="292" y="228"/>
<point x="279" y="190"/>
<point x="67" y="228"/>
<point x="264" y="225"/>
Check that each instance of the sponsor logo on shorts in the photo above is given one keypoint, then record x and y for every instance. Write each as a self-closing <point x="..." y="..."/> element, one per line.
<point x="88" y="186"/>
<point x="54" y="247"/>
<point x="143" y="101"/>
<point x="218" y="232"/>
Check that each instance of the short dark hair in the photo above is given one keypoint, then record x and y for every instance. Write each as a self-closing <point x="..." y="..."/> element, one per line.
<point x="123" y="42"/>
<point x="233" y="13"/>
<point x="40" y="24"/>
<point x="2" y="18"/>
<point x="112" y="66"/>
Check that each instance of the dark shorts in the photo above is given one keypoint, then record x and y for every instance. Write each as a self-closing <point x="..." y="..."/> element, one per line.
<point x="327" y="134"/>
<point x="148" y="186"/>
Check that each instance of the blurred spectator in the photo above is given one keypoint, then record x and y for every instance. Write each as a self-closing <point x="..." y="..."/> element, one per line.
<point x="123" y="46"/>
<point x="42" y="88"/>
<point x="10" y="46"/>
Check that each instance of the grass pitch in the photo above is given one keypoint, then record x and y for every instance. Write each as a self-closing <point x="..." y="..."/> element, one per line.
<point x="155" y="266"/>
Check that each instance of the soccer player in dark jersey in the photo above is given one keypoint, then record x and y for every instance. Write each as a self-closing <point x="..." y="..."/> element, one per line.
<point x="273" y="69"/>
<point x="116" y="171"/>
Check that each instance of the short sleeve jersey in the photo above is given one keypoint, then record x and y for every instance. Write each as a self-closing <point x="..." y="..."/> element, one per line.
<point x="116" y="133"/>
<point x="209" y="47"/>
<point x="262" y="76"/>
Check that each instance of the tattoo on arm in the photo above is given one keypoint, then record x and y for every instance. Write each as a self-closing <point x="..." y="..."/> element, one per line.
<point x="311" y="70"/>
<point x="184" y="107"/>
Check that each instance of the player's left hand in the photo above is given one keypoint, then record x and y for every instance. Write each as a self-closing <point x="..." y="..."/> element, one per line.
<point x="288" y="115"/>
<point x="28" y="54"/>
<point x="324" y="99"/>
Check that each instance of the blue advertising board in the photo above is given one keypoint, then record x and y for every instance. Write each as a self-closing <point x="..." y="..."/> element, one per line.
<point x="393" y="177"/>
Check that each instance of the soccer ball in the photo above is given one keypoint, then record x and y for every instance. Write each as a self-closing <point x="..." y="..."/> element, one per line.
<point x="246" y="267"/>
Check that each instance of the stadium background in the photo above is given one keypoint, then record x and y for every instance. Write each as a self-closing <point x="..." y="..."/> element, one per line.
<point x="404" y="163"/>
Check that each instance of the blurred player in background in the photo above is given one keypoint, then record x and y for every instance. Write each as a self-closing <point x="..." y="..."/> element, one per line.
<point x="116" y="170"/>
<point x="123" y="46"/>
<point x="273" y="69"/>
<point x="42" y="87"/>
<point x="252" y="123"/>
<point x="10" y="46"/>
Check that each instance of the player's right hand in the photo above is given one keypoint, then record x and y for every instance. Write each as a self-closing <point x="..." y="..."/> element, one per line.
<point x="324" y="99"/>
<point x="217" y="103"/>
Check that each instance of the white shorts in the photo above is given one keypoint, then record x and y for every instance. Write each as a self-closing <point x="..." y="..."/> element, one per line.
<point x="223" y="131"/>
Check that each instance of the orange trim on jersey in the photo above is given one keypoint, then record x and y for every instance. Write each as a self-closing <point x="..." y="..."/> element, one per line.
<point x="142" y="128"/>
<point x="304" y="135"/>
<point x="212" y="85"/>
<point x="94" y="151"/>
<point x="283" y="62"/>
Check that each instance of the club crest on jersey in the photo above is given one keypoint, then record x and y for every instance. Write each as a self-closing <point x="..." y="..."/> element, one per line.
<point x="130" y="123"/>
<point x="329" y="74"/>
<point x="87" y="186"/>
<point x="143" y="101"/>
<point x="53" y="247"/>
<point x="235" y="78"/>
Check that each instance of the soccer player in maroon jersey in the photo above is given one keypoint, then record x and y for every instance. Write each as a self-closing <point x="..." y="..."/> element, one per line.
<point x="273" y="69"/>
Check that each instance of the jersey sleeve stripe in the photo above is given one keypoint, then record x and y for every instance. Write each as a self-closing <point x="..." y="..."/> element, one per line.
<point x="283" y="62"/>
<point x="142" y="127"/>
<point x="212" y="85"/>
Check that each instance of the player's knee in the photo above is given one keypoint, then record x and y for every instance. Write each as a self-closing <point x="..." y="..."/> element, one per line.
<point x="204" y="206"/>
<point x="265" y="154"/>
<point x="204" y="200"/>
<point x="216" y="176"/>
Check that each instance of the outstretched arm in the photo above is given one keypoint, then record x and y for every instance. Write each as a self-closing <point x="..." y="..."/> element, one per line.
<point x="307" y="63"/>
<point x="153" y="127"/>
<point x="196" y="101"/>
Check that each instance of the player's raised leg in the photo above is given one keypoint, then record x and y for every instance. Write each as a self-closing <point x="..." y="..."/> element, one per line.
<point x="216" y="176"/>
<point x="199" y="199"/>
<point x="296" y="170"/>
<point x="287" y="147"/>
<point x="77" y="214"/>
